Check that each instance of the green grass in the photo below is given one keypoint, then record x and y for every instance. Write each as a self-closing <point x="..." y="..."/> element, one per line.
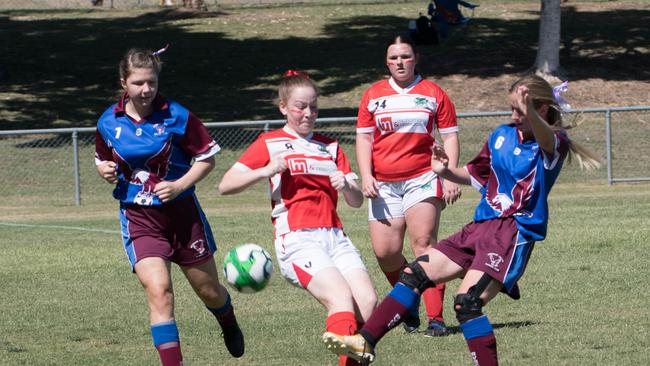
<point x="68" y="297"/>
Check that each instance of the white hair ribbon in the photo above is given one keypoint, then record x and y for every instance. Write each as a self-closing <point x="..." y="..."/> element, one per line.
<point x="557" y="95"/>
<point x="160" y="51"/>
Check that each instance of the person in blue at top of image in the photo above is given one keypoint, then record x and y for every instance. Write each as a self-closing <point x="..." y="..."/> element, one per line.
<point x="514" y="171"/>
<point x="155" y="150"/>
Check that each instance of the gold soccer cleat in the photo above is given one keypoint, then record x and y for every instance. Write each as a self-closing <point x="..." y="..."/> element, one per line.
<point x="353" y="346"/>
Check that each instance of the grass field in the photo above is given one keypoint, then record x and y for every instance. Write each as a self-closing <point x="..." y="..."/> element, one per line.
<point x="68" y="297"/>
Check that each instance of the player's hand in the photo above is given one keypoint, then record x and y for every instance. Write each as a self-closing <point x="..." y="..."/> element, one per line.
<point x="450" y="192"/>
<point x="338" y="181"/>
<point x="369" y="187"/>
<point x="277" y="165"/>
<point x="167" y="191"/>
<point x="523" y="99"/>
<point x="439" y="159"/>
<point x="108" y="171"/>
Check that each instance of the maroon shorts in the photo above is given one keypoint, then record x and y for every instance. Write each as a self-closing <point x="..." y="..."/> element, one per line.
<point x="493" y="246"/>
<point x="177" y="231"/>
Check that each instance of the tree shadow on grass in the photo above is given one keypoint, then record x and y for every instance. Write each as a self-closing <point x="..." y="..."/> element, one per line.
<point x="63" y="72"/>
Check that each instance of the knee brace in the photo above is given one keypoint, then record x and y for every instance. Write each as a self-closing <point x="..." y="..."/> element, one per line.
<point x="418" y="278"/>
<point x="468" y="306"/>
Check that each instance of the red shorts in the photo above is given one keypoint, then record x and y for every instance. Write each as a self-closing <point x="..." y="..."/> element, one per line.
<point x="493" y="246"/>
<point x="177" y="231"/>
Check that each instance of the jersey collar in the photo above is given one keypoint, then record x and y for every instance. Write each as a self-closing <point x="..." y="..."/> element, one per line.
<point x="159" y="103"/>
<point x="399" y="90"/>
<point x="291" y="132"/>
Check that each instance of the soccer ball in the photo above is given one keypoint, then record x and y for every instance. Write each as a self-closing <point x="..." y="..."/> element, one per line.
<point x="248" y="268"/>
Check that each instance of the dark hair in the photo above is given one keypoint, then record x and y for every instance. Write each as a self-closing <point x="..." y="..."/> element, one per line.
<point x="292" y="79"/>
<point x="409" y="41"/>
<point x="403" y="39"/>
<point x="139" y="58"/>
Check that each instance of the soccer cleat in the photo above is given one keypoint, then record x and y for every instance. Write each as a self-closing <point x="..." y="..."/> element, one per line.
<point x="353" y="346"/>
<point x="234" y="339"/>
<point x="411" y="323"/>
<point x="436" y="328"/>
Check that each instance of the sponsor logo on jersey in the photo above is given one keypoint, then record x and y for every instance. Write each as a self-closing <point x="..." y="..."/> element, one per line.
<point x="386" y="124"/>
<point x="420" y="101"/>
<point x="144" y="198"/>
<point x="494" y="261"/>
<point x="298" y="166"/>
<point x="310" y="166"/>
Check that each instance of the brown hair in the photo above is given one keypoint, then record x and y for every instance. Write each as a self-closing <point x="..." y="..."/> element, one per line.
<point x="541" y="93"/>
<point x="292" y="79"/>
<point x="406" y="40"/>
<point x="141" y="59"/>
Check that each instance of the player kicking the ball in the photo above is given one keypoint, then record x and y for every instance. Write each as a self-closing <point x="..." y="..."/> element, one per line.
<point x="514" y="171"/>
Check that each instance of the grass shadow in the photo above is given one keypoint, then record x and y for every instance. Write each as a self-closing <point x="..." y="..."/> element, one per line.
<point x="63" y="72"/>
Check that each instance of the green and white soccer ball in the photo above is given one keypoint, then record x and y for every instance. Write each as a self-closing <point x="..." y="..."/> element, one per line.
<point x="248" y="268"/>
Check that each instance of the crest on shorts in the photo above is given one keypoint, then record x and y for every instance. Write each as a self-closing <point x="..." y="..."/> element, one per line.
<point x="494" y="261"/>
<point x="198" y="247"/>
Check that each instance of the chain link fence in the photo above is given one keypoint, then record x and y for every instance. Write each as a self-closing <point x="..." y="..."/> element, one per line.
<point x="56" y="167"/>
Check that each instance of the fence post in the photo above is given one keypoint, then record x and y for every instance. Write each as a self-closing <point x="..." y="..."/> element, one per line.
<point x="608" y="143"/>
<point x="75" y="157"/>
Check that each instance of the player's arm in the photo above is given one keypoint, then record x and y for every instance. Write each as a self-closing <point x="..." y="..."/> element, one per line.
<point x="541" y="129"/>
<point x="238" y="178"/>
<point x="440" y="165"/>
<point x="106" y="168"/>
<point x="369" y="185"/>
<point x="349" y="187"/>
<point x="451" y="190"/>
<point x="167" y="191"/>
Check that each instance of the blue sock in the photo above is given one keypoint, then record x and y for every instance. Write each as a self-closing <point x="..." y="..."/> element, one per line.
<point x="164" y="333"/>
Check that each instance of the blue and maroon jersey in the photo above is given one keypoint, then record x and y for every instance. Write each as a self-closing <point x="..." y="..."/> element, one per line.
<point x="515" y="178"/>
<point x="160" y="147"/>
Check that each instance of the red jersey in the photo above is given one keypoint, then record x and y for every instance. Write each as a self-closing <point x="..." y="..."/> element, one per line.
<point x="403" y="122"/>
<point x="302" y="196"/>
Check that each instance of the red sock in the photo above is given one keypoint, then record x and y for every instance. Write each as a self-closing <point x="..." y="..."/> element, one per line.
<point x="170" y="354"/>
<point x="433" y="298"/>
<point x="483" y="350"/>
<point x="394" y="275"/>
<point x="344" y="323"/>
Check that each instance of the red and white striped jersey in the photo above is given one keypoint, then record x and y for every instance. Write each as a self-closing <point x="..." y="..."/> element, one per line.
<point x="403" y="122"/>
<point x="302" y="196"/>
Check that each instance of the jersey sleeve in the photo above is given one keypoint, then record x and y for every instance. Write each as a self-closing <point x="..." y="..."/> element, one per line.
<point x="560" y="152"/>
<point x="479" y="168"/>
<point x="365" y="117"/>
<point x="343" y="164"/>
<point x="103" y="153"/>
<point x="197" y="141"/>
<point x="446" y="115"/>
<point x="255" y="157"/>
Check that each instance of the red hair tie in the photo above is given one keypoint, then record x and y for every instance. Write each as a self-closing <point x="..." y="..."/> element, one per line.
<point x="295" y="73"/>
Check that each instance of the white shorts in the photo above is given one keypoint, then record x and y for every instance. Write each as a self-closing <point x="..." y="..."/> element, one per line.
<point x="303" y="253"/>
<point x="395" y="198"/>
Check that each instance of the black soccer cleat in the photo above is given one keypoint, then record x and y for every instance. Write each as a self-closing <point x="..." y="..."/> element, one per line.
<point x="411" y="323"/>
<point x="234" y="339"/>
<point x="436" y="328"/>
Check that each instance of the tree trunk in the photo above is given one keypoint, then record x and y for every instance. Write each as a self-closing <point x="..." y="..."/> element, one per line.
<point x="547" y="63"/>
